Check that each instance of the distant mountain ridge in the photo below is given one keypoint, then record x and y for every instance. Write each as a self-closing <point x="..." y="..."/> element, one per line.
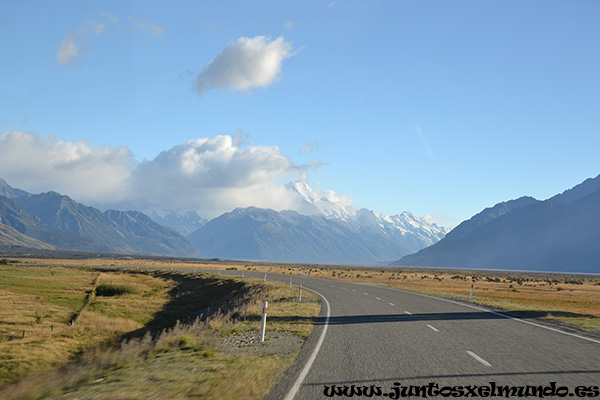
<point x="184" y="222"/>
<point x="559" y="234"/>
<point x="333" y="232"/>
<point x="329" y="231"/>
<point x="26" y="223"/>
<point x="60" y="222"/>
<point x="287" y="236"/>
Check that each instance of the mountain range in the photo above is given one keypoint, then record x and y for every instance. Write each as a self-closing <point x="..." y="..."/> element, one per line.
<point x="561" y="233"/>
<point x="329" y="234"/>
<point x="558" y="234"/>
<point x="60" y="222"/>
<point x="332" y="233"/>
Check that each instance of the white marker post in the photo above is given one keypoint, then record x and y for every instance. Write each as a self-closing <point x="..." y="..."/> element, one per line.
<point x="264" y="323"/>
<point x="265" y="277"/>
<point x="290" y="283"/>
<point x="471" y="290"/>
<point x="300" y="293"/>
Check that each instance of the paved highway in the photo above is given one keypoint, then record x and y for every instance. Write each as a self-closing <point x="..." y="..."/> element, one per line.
<point x="379" y="336"/>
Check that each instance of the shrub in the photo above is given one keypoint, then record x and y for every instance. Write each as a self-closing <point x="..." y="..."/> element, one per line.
<point x="107" y="290"/>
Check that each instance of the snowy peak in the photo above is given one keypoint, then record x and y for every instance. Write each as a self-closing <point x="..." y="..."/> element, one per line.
<point x="402" y="224"/>
<point x="418" y="232"/>
<point x="326" y="203"/>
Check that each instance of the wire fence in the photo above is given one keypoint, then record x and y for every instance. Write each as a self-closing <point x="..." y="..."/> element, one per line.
<point x="48" y="330"/>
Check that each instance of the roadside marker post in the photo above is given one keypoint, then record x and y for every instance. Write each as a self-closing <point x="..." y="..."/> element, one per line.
<point x="290" y="283"/>
<point x="265" y="277"/>
<point x="300" y="293"/>
<point x="264" y="323"/>
<point x="471" y="290"/>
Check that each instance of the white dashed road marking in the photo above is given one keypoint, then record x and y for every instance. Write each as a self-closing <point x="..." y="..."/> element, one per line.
<point x="481" y="360"/>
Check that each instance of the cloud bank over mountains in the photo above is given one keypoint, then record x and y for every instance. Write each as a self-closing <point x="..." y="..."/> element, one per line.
<point x="208" y="175"/>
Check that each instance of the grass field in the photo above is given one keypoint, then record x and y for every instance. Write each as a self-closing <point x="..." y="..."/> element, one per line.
<point x="156" y="334"/>
<point x="572" y="301"/>
<point x="218" y="358"/>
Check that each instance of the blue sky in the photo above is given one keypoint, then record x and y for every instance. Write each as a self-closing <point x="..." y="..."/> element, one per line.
<point x="434" y="107"/>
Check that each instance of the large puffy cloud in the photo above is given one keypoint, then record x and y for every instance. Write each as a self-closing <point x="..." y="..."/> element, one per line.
<point x="209" y="175"/>
<point x="93" y="175"/>
<point x="245" y="64"/>
<point x="215" y="175"/>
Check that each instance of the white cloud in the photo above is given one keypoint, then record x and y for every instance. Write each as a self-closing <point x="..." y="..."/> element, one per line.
<point x="72" y="49"/>
<point x="92" y="175"/>
<point x="289" y="25"/>
<point x="155" y="29"/>
<point x="68" y="52"/>
<point x="215" y="175"/>
<point x="245" y="64"/>
<point x="309" y="147"/>
<point x="207" y="175"/>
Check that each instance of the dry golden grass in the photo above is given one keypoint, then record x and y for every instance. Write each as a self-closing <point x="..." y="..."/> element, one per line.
<point x="185" y="361"/>
<point x="567" y="299"/>
<point x="41" y="302"/>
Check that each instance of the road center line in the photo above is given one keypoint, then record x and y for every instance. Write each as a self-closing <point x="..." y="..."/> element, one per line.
<point x="392" y="304"/>
<point x="481" y="360"/>
<point x="365" y="293"/>
<point x="377" y="298"/>
<point x="294" y="389"/>
<point x="434" y="329"/>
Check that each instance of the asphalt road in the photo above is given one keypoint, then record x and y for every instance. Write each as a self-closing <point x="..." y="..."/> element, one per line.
<point x="380" y="336"/>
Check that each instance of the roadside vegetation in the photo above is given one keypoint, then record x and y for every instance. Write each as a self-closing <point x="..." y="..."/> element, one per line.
<point x="145" y="334"/>
<point x="571" y="301"/>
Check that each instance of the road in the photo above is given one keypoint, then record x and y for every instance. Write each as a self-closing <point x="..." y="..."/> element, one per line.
<point x="379" y="336"/>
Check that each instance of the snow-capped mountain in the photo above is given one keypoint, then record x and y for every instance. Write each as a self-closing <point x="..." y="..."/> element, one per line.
<point x="417" y="232"/>
<point x="325" y="229"/>
<point x="325" y="203"/>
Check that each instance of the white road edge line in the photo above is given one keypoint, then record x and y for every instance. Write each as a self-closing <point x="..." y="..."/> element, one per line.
<point x="294" y="389"/>
<point x="481" y="360"/>
<point x="502" y="315"/>
<point x="435" y="330"/>
<point x="408" y="313"/>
